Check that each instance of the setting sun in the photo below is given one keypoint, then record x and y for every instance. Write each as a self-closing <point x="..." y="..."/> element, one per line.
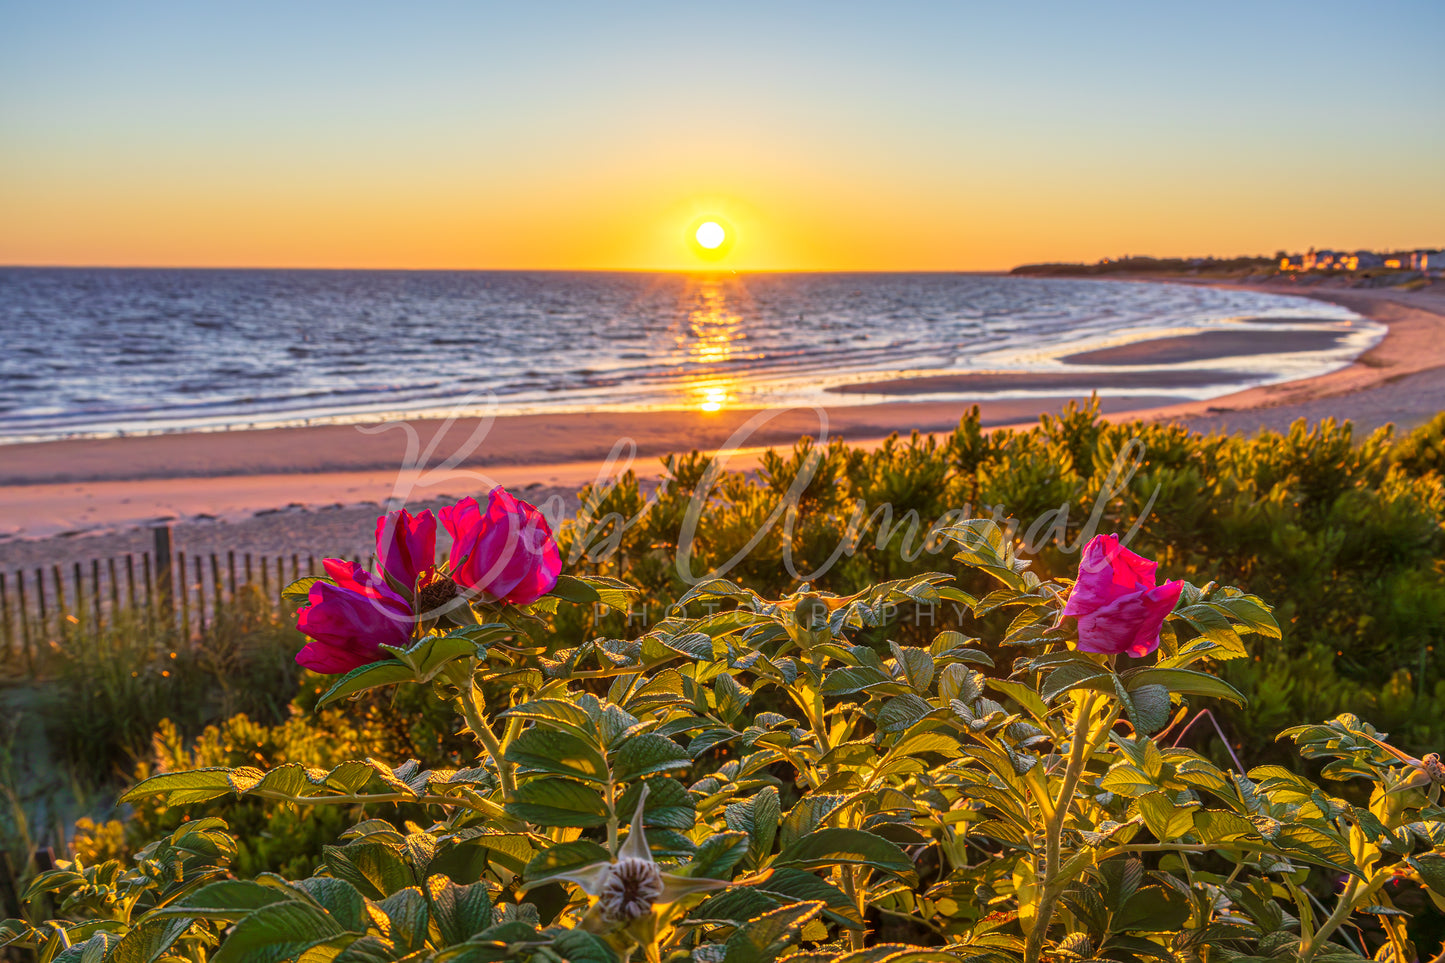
<point x="710" y="234"/>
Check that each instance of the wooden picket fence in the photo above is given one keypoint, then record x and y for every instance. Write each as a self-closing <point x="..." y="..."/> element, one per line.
<point x="43" y="607"/>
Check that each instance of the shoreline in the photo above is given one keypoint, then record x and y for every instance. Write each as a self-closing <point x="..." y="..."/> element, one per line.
<point x="81" y="493"/>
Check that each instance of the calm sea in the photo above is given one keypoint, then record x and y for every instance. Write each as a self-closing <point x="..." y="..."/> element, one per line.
<point x="92" y="351"/>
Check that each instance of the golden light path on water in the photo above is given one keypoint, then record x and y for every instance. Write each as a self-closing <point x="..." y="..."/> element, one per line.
<point x="711" y="338"/>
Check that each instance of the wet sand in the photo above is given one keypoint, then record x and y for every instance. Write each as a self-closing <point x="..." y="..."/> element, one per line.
<point x="1041" y="381"/>
<point x="1208" y="346"/>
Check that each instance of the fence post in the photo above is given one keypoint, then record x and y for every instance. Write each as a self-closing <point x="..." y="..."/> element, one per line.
<point x="200" y="595"/>
<point x="231" y="571"/>
<point x="95" y="587"/>
<point x="25" y="624"/>
<point x="216" y="583"/>
<point x="165" y="578"/>
<point x="130" y="580"/>
<point x="185" y="598"/>
<point x="40" y="599"/>
<point x="59" y="603"/>
<point x="79" y="593"/>
<point x="5" y="616"/>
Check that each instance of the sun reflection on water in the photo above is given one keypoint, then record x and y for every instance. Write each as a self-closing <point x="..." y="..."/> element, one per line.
<point x="710" y="337"/>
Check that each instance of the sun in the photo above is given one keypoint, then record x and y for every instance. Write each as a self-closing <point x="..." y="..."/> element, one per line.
<point x="710" y="234"/>
<point x="711" y="238"/>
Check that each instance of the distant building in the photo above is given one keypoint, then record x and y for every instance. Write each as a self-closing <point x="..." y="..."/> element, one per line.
<point x="1426" y="261"/>
<point x="1423" y="261"/>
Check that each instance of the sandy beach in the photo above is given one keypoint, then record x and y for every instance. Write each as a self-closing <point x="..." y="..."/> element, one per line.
<point x="316" y="489"/>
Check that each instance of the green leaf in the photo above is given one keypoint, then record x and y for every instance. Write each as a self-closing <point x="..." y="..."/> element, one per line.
<point x="563" y="858"/>
<point x="669" y="804"/>
<point x="647" y="754"/>
<point x="376" y="869"/>
<point x="847" y="680"/>
<point x="1024" y="696"/>
<point x="900" y="712"/>
<point x="827" y="847"/>
<point x="300" y="590"/>
<point x="281" y="931"/>
<point x="430" y="655"/>
<point x="576" y="945"/>
<point x="1167" y="821"/>
<point x="587" y="590"/>
<point x="375" y="675"/>
<point x="717" y="855"/>
<point x="547" y="750"/>
<point x="194" y="785"/>
<point x="761" y="940"/>
<point x="149" y="941"/>
<point x="759" y="818"/>
<point x="406" y="909"/>
<point x="228" y="899"/>
<point x="1152" y="909"/>
<point x="1184" y="682"/>
<point x="460" y="912"/>
<point x="1431" y="868"/>
<point x="1150" y="711"/>
<point x="558" y="802"/>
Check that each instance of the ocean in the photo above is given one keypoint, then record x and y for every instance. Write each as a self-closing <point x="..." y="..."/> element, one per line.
<point x="96" y="352"/>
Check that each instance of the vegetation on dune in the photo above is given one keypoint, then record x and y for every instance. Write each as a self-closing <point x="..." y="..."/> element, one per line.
<point x="871" y="732"/>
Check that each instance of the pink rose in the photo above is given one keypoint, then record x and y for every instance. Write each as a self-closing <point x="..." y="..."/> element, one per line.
<point x="506" y="554"/>
<point x="1118" y="606"/>
<point x="347" y="624"/>
<point x="406" y="546"/>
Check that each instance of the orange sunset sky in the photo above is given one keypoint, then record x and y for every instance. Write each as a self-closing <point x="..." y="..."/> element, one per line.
<point x="919" y="137"/>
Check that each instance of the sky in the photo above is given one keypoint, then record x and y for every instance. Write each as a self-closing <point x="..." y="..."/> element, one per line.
<point x="838" y="136"/>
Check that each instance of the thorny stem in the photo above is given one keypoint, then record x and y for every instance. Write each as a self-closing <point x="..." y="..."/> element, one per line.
<point x="1346" y="903"/>
<point x="1050" y="887"/>
<point x="467" y="702"/>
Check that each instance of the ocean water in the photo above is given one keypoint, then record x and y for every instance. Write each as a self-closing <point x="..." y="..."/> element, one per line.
<point x="108" y="351"/>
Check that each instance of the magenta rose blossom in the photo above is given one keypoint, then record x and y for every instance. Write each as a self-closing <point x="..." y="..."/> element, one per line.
<point x="347" y="625"/>
<point x="505" y="554"/>
<point x="406" y="545"/>
<point x="1118" y="605"/>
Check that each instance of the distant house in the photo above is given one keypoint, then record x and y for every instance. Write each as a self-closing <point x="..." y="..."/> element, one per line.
<point x="1427" y="261"/>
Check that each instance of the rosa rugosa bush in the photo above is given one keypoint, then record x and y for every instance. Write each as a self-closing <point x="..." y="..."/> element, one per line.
<point x="757" y="782"/>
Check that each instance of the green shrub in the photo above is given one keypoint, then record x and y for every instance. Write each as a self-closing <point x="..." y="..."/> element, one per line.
<point x="763" y="781"/>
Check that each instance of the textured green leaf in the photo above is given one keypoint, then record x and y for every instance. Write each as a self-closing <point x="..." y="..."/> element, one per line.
<point x="1184" y="682"/>
<point x="761" y="940"/>
<point x="375" y="675"/>
<point x="300" y="590"/>
<point x="563" y="858"/>
<point x="281" y="931"/>
<point x="460" y="912"/>
<point x="900" y="712"/>
<point x="557" y="752"/>
<point x="587" y="590"/>
<point x="647" y="754"/>
<point x="827" y="847"/>
<point x="558" y="802"/>
<point x="195" y="785"/>
<point x="228" y="899"/>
